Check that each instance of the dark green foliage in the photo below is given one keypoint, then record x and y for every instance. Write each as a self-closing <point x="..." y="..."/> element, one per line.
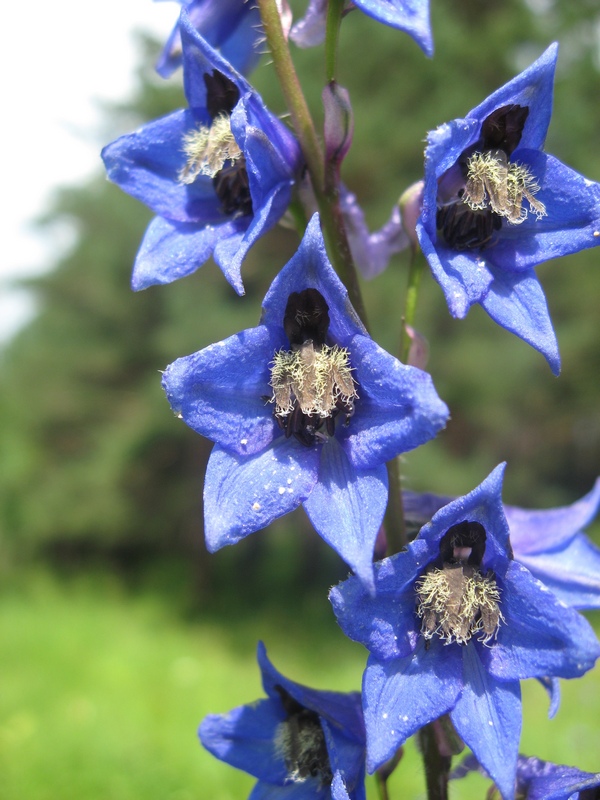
<point x="94" y="461"/>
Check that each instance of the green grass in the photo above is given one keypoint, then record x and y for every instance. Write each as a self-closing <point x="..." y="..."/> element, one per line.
<point x="102" y="689"/>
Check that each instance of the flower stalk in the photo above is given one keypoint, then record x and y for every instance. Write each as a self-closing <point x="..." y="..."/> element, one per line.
<point x="415" y="271"/>
<point x="437" y="765"/>
<point x="334" y="231"/>
<point x="335" y="10"/>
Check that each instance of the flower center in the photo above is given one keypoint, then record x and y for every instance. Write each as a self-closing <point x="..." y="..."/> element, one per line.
<point x="484" y="188"/>
<point x="312" y="382"/>
<point x="457" y="601"/>
<point x="493" y="182"/>
<point x="213" y="151"/>
<point x="301" y="742"/>
<point x="208" y="149"/>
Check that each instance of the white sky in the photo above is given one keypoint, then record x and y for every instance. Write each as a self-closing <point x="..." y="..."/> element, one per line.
<point x="57" y="59"/>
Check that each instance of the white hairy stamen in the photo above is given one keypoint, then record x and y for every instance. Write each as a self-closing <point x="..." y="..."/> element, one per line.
<point x="316" y="378"/>
<point x="208" y="149"/>
<point x="457" y="602"/>
<point x="494" y="182"/>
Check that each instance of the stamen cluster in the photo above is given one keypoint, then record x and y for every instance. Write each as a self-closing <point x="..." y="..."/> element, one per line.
<point x="314" y="377"/>
<point x="457" y="602"/>
<point x="209" y="149"/>
<point x="493" y="182"/>
<point x="301" y="742"/>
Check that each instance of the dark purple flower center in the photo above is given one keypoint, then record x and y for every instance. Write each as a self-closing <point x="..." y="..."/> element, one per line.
<point x="455" y="600"/>
<point x="301" y="742"/>
<point x="231" y="181"/>
<point x="312" y="381"/>
<point x="484" y="189"/>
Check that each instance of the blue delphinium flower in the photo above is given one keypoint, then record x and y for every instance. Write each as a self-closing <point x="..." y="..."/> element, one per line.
<point x="218" y="175"/>
<point x="305" y="408"/>
<point x="549" y="542"/>
<point x="410" y="16"/>
<point x="453" y="625"/>
<point x="232" y="27"/>
<point x="543" y="780"/>
<point x="495" y="205"/>
<point x="300" y="743"/>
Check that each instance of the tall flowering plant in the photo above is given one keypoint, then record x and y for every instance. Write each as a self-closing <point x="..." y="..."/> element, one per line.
<point x="457" y="600"/>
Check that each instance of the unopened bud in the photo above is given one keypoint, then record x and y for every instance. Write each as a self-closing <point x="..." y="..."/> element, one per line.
<point x="410" y="203"/>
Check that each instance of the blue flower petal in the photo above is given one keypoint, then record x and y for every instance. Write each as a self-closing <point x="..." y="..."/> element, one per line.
<point x="542" y="780"/>
<point x="552" y="686"/>
<point x="146" y="165"/>
<point x="231" y="250"/>
<point x="538" y="531"/>
<point x="341" y="709"/>
<point x="347" y="759"/>
<point x="338" y="788"/>
<point x="245" y="738"/>
<point x="539" y="635"/>
<point x="346" y="507"/>
<point x="517" y="302"/>
<point x="386" y="623"/>
<point x="172" y="250"/>
<point x="198" y="58"/>
<point x="230" y="26"/>
<point x="572" y="573"/>
<point x="483" y="505"/>
<point x="309" y="267"/>
<point x="220" y="390"/>
<point x="310" y="789"/>
<point x="401" y="696"/>
<point x="487" y="717"/>
<point x="532" y="88"/>
<point x="245" y="494"/>
<point x="399" y="407"/>
<point x="410" y="16"/>
<point x="463" y="279"/>
<point x="572" y="222"/>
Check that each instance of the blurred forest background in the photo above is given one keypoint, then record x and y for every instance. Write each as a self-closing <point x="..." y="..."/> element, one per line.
<point x="119" y="631"/>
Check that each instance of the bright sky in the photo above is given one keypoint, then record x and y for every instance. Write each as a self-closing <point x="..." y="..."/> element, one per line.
<point x="57" y="60"/>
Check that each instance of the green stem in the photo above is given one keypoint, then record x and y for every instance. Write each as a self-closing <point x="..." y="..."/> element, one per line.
<point x="332" y="221"/>
<point x="415" y="271"/>
<point x="334" y="19"/>
<point x="395" y="527"/>
<point x="292" y="91"/>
